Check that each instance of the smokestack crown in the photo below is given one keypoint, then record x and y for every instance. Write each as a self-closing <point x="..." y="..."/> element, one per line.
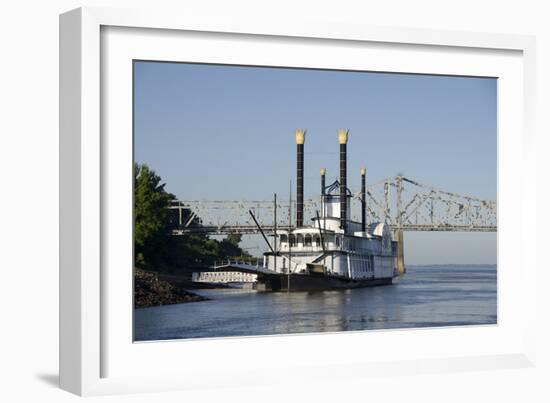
<point x="343" y="136"/>
<point x="363" y="171"/>
<point x="300" y="136"/>
<point x="323" y="171"/>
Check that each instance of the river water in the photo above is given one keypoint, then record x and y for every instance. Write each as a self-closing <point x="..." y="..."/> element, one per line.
<point x="426" y="296"/>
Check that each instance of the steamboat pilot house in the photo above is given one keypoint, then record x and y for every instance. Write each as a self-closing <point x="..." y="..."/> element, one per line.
<point x="333" y="246"/>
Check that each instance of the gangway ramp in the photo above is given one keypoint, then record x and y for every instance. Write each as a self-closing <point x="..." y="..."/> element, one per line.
<point x="242" y="266"/>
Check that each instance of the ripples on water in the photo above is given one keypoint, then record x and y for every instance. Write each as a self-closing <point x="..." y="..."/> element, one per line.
<point x="426" y="296"/>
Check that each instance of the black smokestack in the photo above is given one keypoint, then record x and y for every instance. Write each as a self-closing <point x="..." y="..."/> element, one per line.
<point x="343" y="140"/>
<point x="363" y="200"/>
<point x="323" y="173"/>
<point x="300" y="140"/>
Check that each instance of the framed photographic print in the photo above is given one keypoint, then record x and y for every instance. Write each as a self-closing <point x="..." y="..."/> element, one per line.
<point x="297" y="201"/>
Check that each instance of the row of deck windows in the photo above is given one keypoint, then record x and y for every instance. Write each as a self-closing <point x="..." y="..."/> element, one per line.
<point x="309" y="240"/>
<point x="306" y="240"/>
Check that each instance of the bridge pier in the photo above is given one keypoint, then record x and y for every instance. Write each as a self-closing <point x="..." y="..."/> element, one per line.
<point x="401" y="269"/>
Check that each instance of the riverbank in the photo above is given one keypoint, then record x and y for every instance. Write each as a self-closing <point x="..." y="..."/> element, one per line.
<point x="149" y="291"/>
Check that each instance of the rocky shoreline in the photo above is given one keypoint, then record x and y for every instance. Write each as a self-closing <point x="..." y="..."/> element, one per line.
<point x="150" y="291"/>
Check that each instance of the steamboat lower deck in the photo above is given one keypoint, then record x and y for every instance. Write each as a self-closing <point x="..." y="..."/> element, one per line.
<point x="309" y="282"/>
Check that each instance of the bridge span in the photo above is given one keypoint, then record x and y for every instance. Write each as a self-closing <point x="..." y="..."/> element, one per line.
<point x="403" y="203"/>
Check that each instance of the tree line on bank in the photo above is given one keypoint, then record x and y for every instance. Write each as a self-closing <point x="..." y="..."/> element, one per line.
<point x="154" y="247"/>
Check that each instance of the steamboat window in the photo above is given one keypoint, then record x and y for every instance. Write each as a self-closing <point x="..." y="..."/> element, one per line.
<point x="292" y="240"/>
<point x="300" y="239"/>
<point x="337" y="241"/>
<point x="307" y="240"/>
<point x="317" y="241"/>
<point x="284" y="238"/>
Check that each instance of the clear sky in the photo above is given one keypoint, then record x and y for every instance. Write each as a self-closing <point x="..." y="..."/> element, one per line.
<point x="227" y="132"/>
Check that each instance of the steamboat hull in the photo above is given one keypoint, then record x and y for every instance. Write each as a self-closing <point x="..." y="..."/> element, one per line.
<point x="308" y="282"/>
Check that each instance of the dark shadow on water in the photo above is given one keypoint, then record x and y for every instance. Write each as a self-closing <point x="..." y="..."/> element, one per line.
<point x="49" y="379"/>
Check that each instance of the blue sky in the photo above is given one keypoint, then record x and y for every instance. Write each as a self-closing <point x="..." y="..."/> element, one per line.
<point x="227" y="132"/>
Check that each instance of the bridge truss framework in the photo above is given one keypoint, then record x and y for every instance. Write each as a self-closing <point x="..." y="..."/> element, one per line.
<point x="403" y="203"/>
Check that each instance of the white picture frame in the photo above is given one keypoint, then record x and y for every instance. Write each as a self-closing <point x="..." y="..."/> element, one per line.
<point x="96" y="355"/>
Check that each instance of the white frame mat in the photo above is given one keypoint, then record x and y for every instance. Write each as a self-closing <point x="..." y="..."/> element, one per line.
<point x="97" y="352"/>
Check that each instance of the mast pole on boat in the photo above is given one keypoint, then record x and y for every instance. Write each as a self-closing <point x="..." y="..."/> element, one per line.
<point x="289" y="235"/>
<point x="323" y="209"/>
<point x="275" y="230"/>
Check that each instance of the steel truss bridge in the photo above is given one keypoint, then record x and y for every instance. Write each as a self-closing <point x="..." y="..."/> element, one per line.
<point x="403" y="203"/>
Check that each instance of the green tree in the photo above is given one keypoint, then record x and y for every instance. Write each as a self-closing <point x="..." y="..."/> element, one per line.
<point x="234" y="239"/>
<point x="155" y="248"/>
<point x="151" y="213"/>
<point x="230" y="246"/>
